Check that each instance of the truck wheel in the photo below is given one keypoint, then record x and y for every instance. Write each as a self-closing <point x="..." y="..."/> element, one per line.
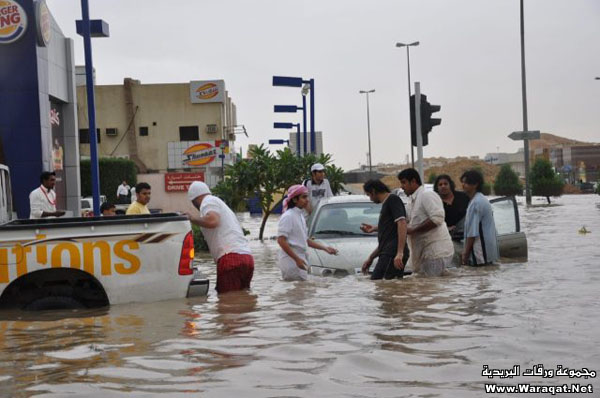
<point x="54" y="303"/>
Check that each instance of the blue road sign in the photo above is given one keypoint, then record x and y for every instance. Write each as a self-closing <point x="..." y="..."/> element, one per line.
<point x="287" y="81"/>
<point x="278" y="125"/>
<point x="278" y="142"/>
<point x="286" y="109"/>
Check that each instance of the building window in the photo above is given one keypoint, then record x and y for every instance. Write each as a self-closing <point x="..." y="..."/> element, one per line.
<point x="84" y="136"/>
<point x="188" y="133"/>
<point x="143" y="131"/>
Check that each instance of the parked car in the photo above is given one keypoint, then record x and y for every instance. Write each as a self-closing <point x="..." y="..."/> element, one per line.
<point x="336" y="221"/>
<point x="87" y="205"/>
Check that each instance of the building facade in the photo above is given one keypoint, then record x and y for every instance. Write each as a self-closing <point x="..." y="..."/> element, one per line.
<point x="175" y="133"/>
<point x="38" y="116"/>
<point x="515" y="160"/>
<point x="580" y="163"/>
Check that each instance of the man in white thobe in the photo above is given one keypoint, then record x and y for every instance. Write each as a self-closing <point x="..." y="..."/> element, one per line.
<point x="431" y="248"/>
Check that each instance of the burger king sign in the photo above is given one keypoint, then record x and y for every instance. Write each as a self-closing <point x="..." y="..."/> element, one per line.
<point x="13" y="21"/>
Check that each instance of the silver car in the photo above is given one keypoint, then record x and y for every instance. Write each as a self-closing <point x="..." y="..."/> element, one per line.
<point x="336" y="222"/>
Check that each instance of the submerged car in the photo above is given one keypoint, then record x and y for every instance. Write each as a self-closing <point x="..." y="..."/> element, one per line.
<point x="336" y="222"/>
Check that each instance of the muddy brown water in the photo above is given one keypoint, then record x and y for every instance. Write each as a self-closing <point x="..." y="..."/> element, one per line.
<point x="333" y="337"/>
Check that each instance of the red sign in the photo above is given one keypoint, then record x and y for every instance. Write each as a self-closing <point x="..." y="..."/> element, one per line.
<point x="180" y="182"/>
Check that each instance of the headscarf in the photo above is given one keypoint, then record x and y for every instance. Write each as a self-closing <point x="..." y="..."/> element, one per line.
<point x="293" y="191"/>
<point x="197" y="188"/>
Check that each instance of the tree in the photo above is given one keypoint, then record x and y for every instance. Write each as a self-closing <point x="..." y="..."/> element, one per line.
<point x="431" y="178"/>
<point x="544" y="181"/>
<point x="112" y="173"/>
<point x="507" y="182"/>
<point x="268" y="176"/>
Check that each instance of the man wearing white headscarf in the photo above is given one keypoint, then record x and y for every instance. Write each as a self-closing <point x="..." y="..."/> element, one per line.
<point x="225" y="238"/>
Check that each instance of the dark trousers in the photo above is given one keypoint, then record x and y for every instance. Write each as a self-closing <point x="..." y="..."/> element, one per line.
<point x="123" y="199"/>
<point x="385" y="269"/>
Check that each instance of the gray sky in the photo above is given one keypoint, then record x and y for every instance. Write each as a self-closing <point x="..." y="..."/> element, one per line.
<point x="468" y="62"/>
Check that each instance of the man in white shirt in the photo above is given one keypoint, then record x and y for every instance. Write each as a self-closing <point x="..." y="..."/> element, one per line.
<point x="225" y="238"/>
<point x="42" y="200"/>
<point x="431" y="248"/>
<point x="123" y="193"/>
<point x="318" y="186"/>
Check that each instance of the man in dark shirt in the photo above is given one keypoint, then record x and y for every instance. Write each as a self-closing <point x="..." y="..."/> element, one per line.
<point x="455" y="203"/>
<point x="391" y="233"/>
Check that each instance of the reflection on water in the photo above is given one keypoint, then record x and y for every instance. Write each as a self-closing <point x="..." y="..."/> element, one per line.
<point x="330" y="337"/>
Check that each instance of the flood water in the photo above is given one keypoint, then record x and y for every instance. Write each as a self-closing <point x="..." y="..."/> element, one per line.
<point x="334" y="337"/>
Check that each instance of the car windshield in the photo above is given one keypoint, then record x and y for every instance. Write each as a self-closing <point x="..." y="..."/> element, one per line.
<point x="344" y="219"/>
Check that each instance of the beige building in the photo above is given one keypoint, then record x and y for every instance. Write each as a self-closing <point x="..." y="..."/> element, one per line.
<point x="173" y="132"/>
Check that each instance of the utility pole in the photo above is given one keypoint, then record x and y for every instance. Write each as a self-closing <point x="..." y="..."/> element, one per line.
<point x="524" y="99"/>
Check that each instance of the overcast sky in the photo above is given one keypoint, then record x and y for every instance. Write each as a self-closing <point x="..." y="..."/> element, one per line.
<point x="468" y="62"/>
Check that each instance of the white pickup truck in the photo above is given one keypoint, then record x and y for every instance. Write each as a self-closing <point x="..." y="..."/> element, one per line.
<point x="97" y="261"/>
<point x="56" y="263"/>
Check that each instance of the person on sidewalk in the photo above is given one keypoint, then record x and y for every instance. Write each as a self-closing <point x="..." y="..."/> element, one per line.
<point x="431" y="249"/>
<point x="318" y="186"/>
<point x="391" y="233"/>
<point x="225" y="238"/>
<point x="143" y="194"/>
<point x="123" y="193"/>
<point x="42" y="200"/>
<point x="292" y="236"/>
<point x="481" y="245"/>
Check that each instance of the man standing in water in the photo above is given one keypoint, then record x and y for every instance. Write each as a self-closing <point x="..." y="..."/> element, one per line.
<point x="318" y="186"/>
<point x="455" y="203"/>
<point x="225" y="238"/>
<point x="431" y="249"/>
<point x="391" y="233"/>
<point x="481" y="246"/>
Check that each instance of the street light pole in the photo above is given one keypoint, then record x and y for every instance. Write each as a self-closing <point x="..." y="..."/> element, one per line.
<point x="413" y="44"/>
<point x="524" y="99"/>
<point x="89" y="80"/>
<point x="368" y="128"/>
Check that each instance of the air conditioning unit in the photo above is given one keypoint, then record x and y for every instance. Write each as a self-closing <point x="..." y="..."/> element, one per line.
<point x="112" y="132"/>
<point x="211" y="128"/>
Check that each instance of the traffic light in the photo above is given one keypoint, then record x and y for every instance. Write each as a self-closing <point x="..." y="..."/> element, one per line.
<point x="427" y="122"/>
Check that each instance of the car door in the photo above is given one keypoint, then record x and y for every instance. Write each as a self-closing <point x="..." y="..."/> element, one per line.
<point x="512" y="242"/>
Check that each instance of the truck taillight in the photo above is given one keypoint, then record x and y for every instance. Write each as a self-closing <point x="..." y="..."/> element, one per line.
<point x="187" y="255"/>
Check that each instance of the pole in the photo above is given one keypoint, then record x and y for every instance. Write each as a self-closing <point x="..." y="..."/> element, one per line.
<point x="412" y="150"/>
<point x="222" y="160"/>
<point x="312" y="117"/>
<point x="298" y="139"/>
<point x="524" y="99"/>
<point x="369" y="135"/>
<point x="303" y="152"/>
<point x="419" y="127"/>
<point x="89" y="80"/>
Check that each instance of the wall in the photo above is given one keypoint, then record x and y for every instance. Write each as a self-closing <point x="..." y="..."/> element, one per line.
<point x="29" y="76"/>
<point x="163" y="108"/>
<point x="167" y="201"/>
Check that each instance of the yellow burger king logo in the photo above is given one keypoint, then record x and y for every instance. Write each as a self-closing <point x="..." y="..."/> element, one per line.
<point x="207" y="91"/>
<point x="13" y="21"/>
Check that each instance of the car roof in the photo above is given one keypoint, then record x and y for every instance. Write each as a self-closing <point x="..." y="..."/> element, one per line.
<point x="345" y="199"/>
